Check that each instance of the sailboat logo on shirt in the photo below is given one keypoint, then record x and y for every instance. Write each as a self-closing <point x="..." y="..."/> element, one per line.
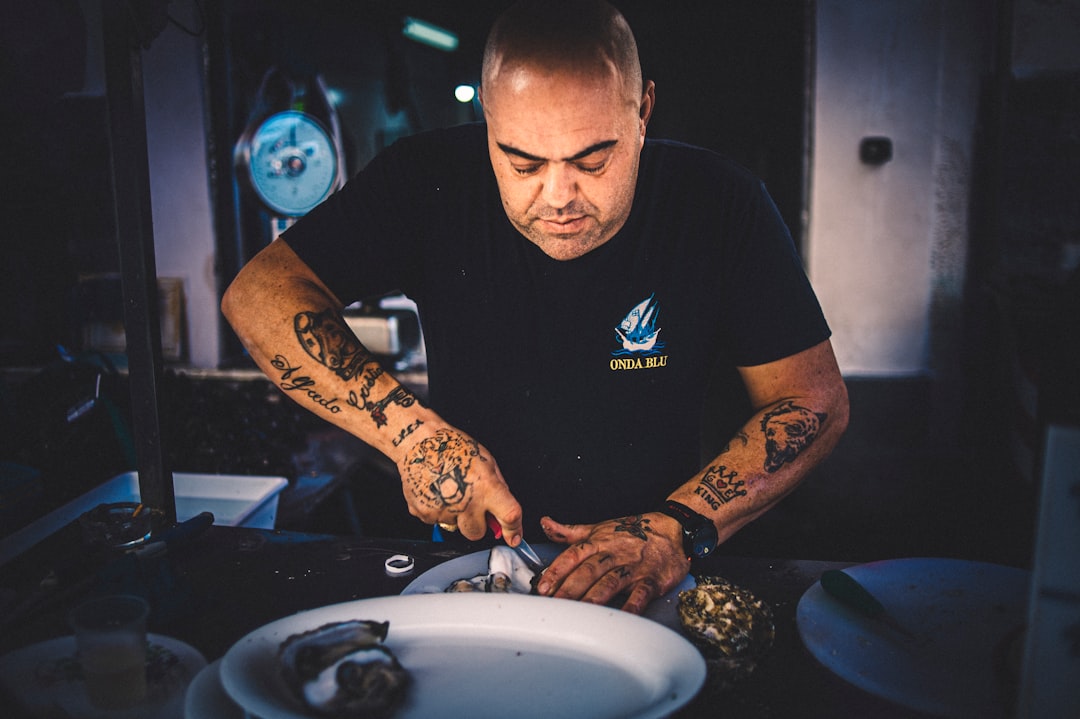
<point x="638" y="336"/>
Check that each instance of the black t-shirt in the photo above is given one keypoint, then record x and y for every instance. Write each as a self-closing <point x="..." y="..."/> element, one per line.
<point x="584" y="378"/>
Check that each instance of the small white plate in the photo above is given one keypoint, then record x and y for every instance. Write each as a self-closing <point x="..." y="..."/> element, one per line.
<point x="206" y="697"/>
<point x="493" y="655"/>
<point x="963" y="616"/>
<point x="663" y="609"/>
<point x="45" y="677"/>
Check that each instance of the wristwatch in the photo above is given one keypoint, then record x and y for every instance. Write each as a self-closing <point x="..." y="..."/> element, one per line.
<point x="698" y="532"/>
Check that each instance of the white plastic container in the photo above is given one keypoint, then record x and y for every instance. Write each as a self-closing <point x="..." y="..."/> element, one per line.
<point x="235" y="501"/>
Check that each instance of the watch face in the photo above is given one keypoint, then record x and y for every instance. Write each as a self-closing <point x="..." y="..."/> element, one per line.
<point x="703" y="545"/>
<point x="293" y="163"/>
<point x="704" y="540"/>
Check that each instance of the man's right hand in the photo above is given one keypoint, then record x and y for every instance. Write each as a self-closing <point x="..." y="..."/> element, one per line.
<point x="449" y="478"/>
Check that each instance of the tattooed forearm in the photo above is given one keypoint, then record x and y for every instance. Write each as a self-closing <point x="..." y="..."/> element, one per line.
<point x="789" y="429"/>
<point x="328" y="340"/>
<point x="635" y="526"/>
<point x="719" y="486"/>
<point x="290" y="381"/>
<point x="436" y="470"/>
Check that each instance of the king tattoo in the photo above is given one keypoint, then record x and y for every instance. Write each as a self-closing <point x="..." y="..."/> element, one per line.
<point x="719" y="486"/>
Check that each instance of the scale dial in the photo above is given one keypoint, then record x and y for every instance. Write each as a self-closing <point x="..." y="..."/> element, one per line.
<point x="292" y="162"/>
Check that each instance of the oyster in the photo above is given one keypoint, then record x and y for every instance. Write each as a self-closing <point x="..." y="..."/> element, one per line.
<point x="344" y="670"/>
<point x="731" y="627"/>
<point x="507" y="572"/>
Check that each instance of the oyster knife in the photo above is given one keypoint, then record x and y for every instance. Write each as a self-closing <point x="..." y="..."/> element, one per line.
<point x="522" y="548"/>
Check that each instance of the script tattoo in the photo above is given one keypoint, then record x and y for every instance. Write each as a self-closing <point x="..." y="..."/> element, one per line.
<point x="789" y="429"/>
<point x="718" y="486"/>
<point x="293" y="382"/>
<point x="437" y="470"/>
<point x="377" y="409"/>
<point x="407" y="431"/>
<point x="635" y="526"/>
<point x="328" y="340"/>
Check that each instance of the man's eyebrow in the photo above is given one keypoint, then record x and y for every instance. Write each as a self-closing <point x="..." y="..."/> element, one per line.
<point x="511" y="150"/>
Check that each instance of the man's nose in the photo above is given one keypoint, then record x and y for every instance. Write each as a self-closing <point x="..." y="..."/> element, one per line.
<point x="560" y="185"/>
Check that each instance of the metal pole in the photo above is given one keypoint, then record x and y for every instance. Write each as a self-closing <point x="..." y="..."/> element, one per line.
<point x="135" y="239"/>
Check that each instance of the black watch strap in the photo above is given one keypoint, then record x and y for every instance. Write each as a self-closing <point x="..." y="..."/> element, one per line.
<point x="698" y="532"/>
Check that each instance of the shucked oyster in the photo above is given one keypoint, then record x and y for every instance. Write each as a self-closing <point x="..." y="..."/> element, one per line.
<point x="507" y="572"/>
<point x="730" y="626"/>
<point x="343" y="670"/>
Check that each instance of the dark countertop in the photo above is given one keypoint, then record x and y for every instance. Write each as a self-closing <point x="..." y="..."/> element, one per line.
<point x="226" y="582"/>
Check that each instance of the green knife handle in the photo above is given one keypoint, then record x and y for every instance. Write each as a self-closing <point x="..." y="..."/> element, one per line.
<point x="844" y="588"/>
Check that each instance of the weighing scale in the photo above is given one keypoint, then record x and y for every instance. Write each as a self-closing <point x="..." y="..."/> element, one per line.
<point x="291" y="158"/>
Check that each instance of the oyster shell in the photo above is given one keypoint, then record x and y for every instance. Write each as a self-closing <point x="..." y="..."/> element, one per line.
<point x="471" y="584"/>
<point x="507" y="572"/>
<point x="731" y="627"/>
<point x="343" y="670"/>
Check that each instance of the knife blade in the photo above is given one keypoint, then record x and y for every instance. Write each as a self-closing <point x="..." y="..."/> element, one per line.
<point x="522" y="548"/>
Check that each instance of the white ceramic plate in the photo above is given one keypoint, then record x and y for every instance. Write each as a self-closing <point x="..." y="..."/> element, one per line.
<point x="206" y="697"/>
<point x="45" y="679"/>
<point x="963" y="615"/>
<point x="662" y="609"/>
<point x="493" y="655"/>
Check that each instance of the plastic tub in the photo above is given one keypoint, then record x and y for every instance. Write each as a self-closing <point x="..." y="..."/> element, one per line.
<point x="235" y="500"/>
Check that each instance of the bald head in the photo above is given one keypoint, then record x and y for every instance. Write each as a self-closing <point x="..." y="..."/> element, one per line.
<point x="561" y="36"/>
<point x="566" y="110"/>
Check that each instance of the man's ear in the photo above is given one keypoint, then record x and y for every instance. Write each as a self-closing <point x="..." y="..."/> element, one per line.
<point x="648" y="102"/>
<point x="483" y="106"/>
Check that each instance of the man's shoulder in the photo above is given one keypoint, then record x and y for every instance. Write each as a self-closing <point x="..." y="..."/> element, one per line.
<point x="673" y="155"/>
<point x="674" y="169"/>
<point x="455" y="140"/>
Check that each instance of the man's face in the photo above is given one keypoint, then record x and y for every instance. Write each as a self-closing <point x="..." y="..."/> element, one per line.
<point x="565" y="149"/>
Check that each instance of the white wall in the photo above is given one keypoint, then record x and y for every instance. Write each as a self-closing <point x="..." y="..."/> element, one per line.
<point x="179" y="178"/>
<point x="886" y="245"/>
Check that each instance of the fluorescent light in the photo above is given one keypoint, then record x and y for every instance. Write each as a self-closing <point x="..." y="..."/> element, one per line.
<point x="429" y="34"/>
<point x="334" y="96"/>
<point x="464" y="93"/>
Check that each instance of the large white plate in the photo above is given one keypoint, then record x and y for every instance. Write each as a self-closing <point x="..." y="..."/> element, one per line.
<point x="964" y="616"/>
<point x="663" y="609"/>
<point x="493" y="655"/>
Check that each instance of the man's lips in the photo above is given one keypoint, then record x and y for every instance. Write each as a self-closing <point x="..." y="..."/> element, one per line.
<point x="563" y="225"/>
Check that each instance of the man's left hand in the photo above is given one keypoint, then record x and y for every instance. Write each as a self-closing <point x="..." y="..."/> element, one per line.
<point x="640" y="555"/>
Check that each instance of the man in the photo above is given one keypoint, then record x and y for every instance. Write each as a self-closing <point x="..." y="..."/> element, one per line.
<point x="576" y="285"/>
